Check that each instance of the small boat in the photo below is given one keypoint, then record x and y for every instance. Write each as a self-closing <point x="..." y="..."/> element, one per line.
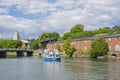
<point x="51" y="55"/>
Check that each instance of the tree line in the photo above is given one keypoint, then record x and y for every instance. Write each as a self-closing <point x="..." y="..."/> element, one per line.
<point x="76" y="31"/>
<point x="10" y="43"/>
<point x="99" y="47"/>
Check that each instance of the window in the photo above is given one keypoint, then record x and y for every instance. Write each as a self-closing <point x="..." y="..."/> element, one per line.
<point x="110" y="48"/>
<point x="109" y="39"/>
<point x="117" y="48"/>
<point x="57" y="55"/>
<point x="118" y="38"/>
<point x="85" y="48"/>
<point x="50" y="55"/>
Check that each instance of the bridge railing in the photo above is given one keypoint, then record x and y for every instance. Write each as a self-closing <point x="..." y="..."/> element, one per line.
<point x="14" y="49"/>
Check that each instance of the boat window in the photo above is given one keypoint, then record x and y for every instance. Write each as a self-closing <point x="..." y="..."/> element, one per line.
<point x="50" y="55"/>
<point x="57" y="55"/>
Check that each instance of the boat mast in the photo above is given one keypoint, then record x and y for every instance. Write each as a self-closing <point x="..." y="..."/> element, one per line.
<point x="50" y="44"/>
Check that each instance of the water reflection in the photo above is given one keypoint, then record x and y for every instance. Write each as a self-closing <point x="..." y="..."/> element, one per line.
<point x="34" y="68"/>
<point x="77" y="69"/>
<point x="99" y="69"/>
<point x="114" y="69"/>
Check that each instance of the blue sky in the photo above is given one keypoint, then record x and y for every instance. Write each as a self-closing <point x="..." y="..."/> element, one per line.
<point x="33" y="17"/>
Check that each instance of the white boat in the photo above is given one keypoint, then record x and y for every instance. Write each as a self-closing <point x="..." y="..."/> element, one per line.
<point x="51" y="55"/>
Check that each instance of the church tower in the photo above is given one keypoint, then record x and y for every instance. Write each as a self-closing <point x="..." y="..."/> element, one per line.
<point x="16" y="36"/>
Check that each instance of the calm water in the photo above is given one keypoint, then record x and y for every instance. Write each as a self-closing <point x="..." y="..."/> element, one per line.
<point x="34" y="68"/>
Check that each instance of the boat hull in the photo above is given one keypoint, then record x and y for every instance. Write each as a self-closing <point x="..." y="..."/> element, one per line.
<point x="52" y="59"/>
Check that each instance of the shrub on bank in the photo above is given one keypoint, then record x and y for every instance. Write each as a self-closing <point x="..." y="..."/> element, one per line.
<point x="99" y="47"/>
<point x="68" y="48"/>
<point x="81" y="54"/>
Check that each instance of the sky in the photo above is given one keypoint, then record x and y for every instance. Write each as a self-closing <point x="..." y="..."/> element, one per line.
<point x="33" y="17"/>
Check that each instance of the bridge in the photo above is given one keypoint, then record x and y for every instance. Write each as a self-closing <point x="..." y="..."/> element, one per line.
<point x="19" y="52"/>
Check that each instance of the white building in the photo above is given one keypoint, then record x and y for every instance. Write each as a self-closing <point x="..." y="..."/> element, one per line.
<point x="16" y="36"/>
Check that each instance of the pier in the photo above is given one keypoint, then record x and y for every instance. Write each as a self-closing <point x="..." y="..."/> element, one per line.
<point x="19" y="52"/>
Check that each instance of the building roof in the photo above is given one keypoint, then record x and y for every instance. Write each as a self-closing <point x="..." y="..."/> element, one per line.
<point x="48" y="41"/>
<point x="81" y="39"/>
<point x="90" y="38"/>
<point x="25" y="41"/>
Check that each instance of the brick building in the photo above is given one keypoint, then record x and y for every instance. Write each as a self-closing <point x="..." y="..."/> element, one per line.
<point x="25" y="44"/>
<point x="83" y="44"/>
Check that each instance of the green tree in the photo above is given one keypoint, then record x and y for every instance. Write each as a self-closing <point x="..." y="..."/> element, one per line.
<point x="66" y="35"/>
<point x="99" y="47"/>
<point x="15" y="44"/>
<point x="10" y="43"/>
<point x="58" y="46"/>
<point x="55" y="35"/>
<point x="31" y="40"/>
<point x="48" y="36"/>
<point x="116" y="29"/>
<point x="34" y="45"/>
<point x="105" y="30"/>
<point x="87" y="34"/>
<point x="68" y="48"/>
<point x="1" y="43"/>
<point x="77" y="28"/>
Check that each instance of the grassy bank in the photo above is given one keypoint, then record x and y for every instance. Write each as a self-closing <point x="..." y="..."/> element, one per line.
<point x="35" y="53"/>
<point x="11" y="53"/>
<point x="81" y="54"/>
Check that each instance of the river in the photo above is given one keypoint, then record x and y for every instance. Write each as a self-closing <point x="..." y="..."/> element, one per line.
<point x="34" y="68"/>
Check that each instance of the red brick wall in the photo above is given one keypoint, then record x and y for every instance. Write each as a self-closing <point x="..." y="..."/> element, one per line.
<point x="24" y="44"/>
<point x="112" y="42"/>
<point x="83" y="45"/>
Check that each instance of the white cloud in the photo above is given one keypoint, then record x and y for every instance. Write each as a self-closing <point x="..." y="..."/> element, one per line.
<point x="61" y="15"/>
<point x="12" y="23"/>
<point x="3" y="11"/>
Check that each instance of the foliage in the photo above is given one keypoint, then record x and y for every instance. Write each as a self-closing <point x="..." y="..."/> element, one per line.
<point x="78" y="31"/>
<point x="77" y="28"/>
<point x="66" y="35"/>
<point x="104" y="30"/>
<point x="1" y="43"/>
<point x="58" y="46"/>
<point x="31" y="40"/>
<point x="116" y="29"/>
<point x="48" y="36"/>
<point x="68" y="48"/>
<point x="34" y="45"/>
<point x="10" y="43"/>
<point x="81" y="53"/>
<point x="99" y="47"/>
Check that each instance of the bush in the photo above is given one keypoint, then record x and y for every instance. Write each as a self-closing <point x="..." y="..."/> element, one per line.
<point x="58" y="46"/>
<point x="99" y="47"/>
<point x="81" y="53"/>
<point x="68" y="48"/>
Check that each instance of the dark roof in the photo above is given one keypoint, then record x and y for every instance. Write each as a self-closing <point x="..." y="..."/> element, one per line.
<point x="90" y="38"/>
<point x="113" y="35"/>
<point x="50" y="40"/>
<point x="80" y="39"/>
